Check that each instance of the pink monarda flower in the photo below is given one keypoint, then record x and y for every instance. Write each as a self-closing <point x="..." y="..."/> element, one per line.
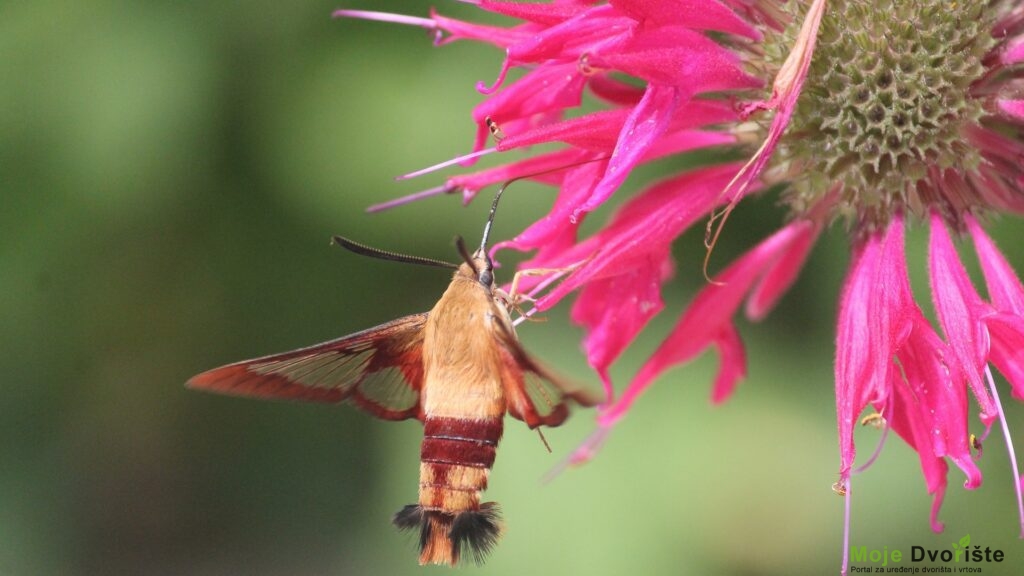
<point x="875" y="113"/>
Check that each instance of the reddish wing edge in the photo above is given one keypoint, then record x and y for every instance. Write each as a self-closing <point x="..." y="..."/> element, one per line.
<point x="379" y="370"/>
<point x="534" y="394"/>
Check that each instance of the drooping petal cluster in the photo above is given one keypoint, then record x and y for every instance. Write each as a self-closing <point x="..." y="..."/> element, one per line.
<point x="888" y="356"/>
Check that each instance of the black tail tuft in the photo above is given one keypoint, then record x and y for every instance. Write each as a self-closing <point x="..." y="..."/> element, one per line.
<point x="444" y="537"/>
<point x="409" y="517"/>
<point x="475" y="532"/>
<point x="412" y="517"/>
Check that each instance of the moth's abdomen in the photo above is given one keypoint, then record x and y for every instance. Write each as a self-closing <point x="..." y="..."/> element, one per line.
<point x="455" y="459"/>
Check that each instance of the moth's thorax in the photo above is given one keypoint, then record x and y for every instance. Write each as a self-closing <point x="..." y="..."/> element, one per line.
<point x="461" y="356"/>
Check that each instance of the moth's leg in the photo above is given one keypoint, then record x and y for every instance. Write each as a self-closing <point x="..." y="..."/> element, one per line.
<point x="513" y="298"/>
<point x="513" y="293"/>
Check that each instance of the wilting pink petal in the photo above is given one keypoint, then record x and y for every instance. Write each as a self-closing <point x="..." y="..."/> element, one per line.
<point x="785" y="92"/>
<point x="923" y="396"/>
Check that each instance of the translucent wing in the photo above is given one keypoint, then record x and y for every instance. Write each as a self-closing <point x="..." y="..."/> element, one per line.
<point x="534" y="394"/>
<point x="379" y="370"/>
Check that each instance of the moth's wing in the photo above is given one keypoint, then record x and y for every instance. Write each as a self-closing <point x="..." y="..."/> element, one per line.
<point x="379" y="370"/>
<point x="534" y="394"/>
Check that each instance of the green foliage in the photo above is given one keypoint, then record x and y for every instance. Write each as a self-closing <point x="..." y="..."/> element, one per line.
<point x="172" y="173"/>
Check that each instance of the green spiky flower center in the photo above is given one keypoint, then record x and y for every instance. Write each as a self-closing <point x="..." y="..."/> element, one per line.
<point x="885" y="104"/>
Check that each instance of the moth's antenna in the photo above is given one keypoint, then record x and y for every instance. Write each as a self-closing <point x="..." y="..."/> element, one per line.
<point x="460" y="245"/>
<point x="364" y="250"/>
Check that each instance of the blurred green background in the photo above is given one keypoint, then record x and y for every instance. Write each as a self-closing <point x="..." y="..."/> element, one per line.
<point x="171" y="173"/>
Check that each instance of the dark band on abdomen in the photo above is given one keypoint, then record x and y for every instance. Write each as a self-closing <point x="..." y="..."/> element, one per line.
<point x="458" y="441"/>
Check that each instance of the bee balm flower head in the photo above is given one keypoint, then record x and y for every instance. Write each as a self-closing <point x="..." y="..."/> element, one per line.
<point x="874" y="113"/>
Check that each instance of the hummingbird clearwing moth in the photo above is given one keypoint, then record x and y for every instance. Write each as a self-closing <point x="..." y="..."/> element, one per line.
<point x="458" y="369"/>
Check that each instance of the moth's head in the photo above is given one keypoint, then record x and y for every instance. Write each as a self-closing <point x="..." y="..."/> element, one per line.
<point x="484" y="268"/>
<point x="478" y="266"/>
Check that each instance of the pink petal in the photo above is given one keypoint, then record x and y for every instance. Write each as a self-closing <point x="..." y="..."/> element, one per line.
<point x="782" y="274"/>
<point x="697" y="14"/>
<point x="495" y="35"/>
<point x="568" y="40"/>
<point x="676" y="56"/>
<point x="869" y="327"/>
<point x="648" y="223"/>
<point x="939" y="406"/>
<point x="732" y="364"/>
<point x="1004" y="287"/>
<point x="1012" y="108"/>
<point x="645" y="124"/>
<point x="935" y="469"/>
<point x="1013" y="52"/>
<point x="596" y="131"/>
<point x="1007" y="334"/>
<point x="576" y="186"/>
<point x="547" y="89"/>
<point x="684" y="141"/>
<point x="614" y="310"/>
<point x="707" y="321"/>
<point x="544" y="166"/>
<point x="959" y="309"/>
<point x="539" y="13"/>
<point x="614" y="91"/>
